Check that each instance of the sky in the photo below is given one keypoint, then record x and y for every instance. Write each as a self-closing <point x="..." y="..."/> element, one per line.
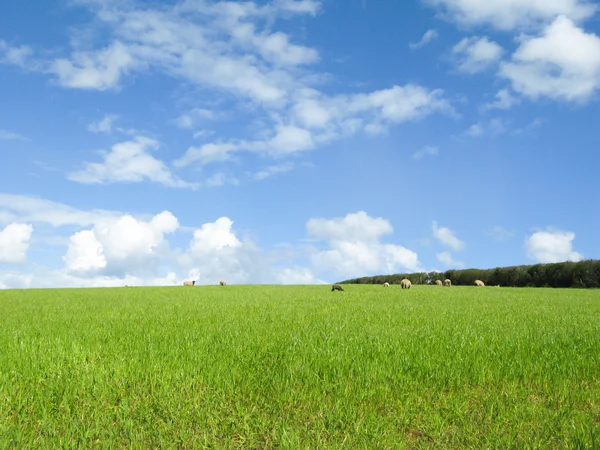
<point x="294" y="141"/>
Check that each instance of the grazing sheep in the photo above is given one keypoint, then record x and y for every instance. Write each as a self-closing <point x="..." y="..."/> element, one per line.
<point x="222" y="283"/>
<point x="386" y="284"/>
<point x="406" y="284"/>
<point x="447" y="282"/>
<point x="438" y="282"/>
<point x="189" y="283"/>
<point x="479" y="283"/>
<point x="336" y="287"/>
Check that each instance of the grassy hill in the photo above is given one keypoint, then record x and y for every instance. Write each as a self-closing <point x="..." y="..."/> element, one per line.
<point x="299" y="367"/>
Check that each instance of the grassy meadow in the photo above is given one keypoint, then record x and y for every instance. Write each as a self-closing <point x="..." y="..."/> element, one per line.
<point x="300" y="367"/>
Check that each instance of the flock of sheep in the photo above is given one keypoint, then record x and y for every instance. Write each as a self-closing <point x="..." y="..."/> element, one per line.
<point x="405" y="283"/>
<point x="192" y="283"/>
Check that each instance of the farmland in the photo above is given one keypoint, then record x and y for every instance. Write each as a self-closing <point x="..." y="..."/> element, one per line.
<point x="299" y="367"/>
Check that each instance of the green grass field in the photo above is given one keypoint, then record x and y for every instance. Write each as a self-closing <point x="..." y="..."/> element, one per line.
<point x="300" y="367"/>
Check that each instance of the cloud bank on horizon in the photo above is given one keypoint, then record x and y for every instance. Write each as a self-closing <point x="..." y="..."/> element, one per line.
<point x="244" y="140"/>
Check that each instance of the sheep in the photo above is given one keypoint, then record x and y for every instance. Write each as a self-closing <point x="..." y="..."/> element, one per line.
<point x="222" y="283"/>
<point x="336" y="287"/>
<point x="405" y="283"/>
<point x="438" y="282"/>
<point x="479" y="283"/>
<point x="386" y="284"/>
<point x="189" y="283"/>
<point x="447" y="282"/>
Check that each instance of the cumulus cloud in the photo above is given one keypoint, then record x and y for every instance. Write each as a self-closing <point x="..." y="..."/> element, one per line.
<point x="563" y="63"/>
<point x="446" y="236"/>
<point x="215" y="252"/>
<point x="14" y="243"/>
<point x="130" y="162"/>
<point x="476" y="54"/>
<point x="552" y="246"/>
<point x="511" y="14"/>
<point x="116" y="247"/>
<point x="446" y="259"/>
<point x="355" y="247"/>
<point x="429" y="36"/>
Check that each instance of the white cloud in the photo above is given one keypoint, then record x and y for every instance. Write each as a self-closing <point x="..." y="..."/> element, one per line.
<point x="231" y="49"/>
<point x="19" y="56"/>
<point x="318" y="119"/>
<point x="121" y="249"/>
<point x="355" y="247"/>
<point x="427" y="37"/>
<point x="8" y="136"/>
<point x="296" y="275"/>
<point x="129" y="162"/>
<point x="14" y="280"/>
<point x="272" y="170"/>
<point x="116" y="247"/>
<point x="562" y="64"/>
<point x="503" y="101"/>
<point x="214" y="236"/>
<point x="552" y="246"/>
<point x="446" y="259"/>
<point x="25" y="208"/>
<point x="85" y="253"/>
<point x="511" y="14"/>
<point x="215" y="253"/>
<point x="220" y="179"/>
<point x="103" y="126"/>
<point x="492" y="127"/>
<point x="535" y="123"/>
<point x="425" y="151"/>
<point x="42" y="277"/>
<point x="500" y="233"/>
<point x="190" y="119"/>
<point x="446" y="236"/>
<point x="476" y="54"/>
<point x="99" y="70"/>
<point x="352" y="227"/>
<point x="14" y="243"/>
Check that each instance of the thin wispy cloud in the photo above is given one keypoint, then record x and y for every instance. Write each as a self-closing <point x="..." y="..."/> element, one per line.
<point x="429" y="36"/>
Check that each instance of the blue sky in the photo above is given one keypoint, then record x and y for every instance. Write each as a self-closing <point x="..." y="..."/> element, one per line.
<point x="294" y="141"/>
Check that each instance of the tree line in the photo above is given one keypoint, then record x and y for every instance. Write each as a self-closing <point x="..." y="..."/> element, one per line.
<point x="581" y="274"/>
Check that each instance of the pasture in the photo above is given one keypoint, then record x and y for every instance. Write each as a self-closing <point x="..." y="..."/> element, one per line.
<point x="300" y="367"/>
